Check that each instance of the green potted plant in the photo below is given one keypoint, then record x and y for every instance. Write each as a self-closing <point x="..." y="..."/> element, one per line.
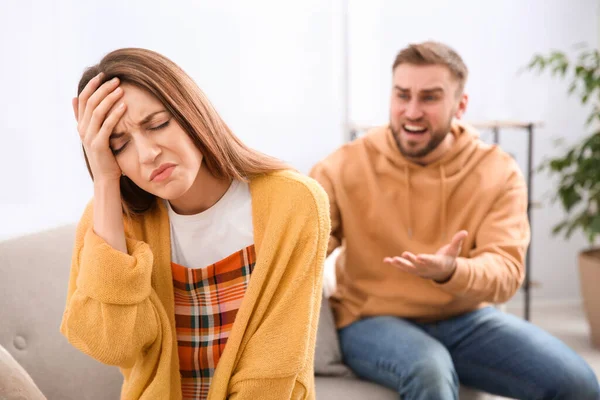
<point x="578" y="171"/>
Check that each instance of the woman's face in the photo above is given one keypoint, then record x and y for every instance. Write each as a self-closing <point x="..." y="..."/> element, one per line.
<point x="152" y="149"/>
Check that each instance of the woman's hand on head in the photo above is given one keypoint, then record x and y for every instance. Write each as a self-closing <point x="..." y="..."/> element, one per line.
<point x="97" y="111"/>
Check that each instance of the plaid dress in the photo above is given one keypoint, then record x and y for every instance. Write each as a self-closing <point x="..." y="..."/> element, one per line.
<point x="206" y="303"/>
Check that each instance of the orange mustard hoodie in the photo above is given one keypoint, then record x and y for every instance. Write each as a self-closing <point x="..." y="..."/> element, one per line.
<point x="381" y="204"/>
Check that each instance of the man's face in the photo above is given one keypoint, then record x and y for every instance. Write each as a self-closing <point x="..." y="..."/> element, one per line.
<point x="425" y="99"/>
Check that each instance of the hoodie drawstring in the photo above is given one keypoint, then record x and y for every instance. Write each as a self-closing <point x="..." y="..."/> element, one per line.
<point x="443" y="205"/>
<point x="408" y="196"/>
<point x="443" y="202"/>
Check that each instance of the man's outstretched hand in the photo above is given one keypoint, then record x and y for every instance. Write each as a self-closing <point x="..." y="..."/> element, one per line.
<point x="439" y="266"/>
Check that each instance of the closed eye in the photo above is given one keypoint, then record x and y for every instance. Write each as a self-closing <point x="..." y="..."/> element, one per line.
<point x="161" y="126"/>
<point x="120" y="149"/>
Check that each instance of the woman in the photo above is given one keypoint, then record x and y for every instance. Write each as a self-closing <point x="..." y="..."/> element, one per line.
<point x="197" y="267"/>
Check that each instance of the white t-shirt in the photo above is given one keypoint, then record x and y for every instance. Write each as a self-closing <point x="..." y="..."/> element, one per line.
<point x="203" y="239"/>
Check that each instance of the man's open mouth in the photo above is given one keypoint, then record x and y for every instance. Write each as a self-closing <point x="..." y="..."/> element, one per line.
<point x="415" y="129"/>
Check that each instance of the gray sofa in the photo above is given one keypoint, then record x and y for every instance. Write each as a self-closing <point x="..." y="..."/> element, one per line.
<point x="34" y="272"/>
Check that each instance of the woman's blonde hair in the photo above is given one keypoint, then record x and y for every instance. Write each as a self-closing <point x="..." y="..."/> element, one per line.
<point x="224" y="155"/>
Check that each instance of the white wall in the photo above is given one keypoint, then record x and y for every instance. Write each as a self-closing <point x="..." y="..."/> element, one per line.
<point x="273" y="70"/>
<point x="269" y="68"/>
<point x="495" y="38"/>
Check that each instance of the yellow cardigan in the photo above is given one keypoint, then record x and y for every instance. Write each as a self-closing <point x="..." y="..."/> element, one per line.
<point x="120" y="307"/>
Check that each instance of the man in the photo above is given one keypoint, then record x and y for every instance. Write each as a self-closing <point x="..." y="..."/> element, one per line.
<point x="433" y="228"/>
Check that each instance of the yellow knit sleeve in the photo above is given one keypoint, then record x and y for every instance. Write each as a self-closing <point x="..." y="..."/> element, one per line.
<point x="109" y="313"/>
<point x="269" y="389"/>
<point x="111" y="276"/>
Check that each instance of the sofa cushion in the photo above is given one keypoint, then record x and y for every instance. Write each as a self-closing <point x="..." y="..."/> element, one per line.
<point x="34" y="276"/>
<point x="328" y="356"/>
<point x="355" y="389"/>
<point x="15" y="382"/>
<point x="351" y="389"/>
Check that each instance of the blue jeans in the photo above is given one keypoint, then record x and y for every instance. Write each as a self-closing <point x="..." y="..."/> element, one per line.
<point x="486" y="349"/>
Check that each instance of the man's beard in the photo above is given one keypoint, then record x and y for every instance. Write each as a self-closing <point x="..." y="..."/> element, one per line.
<point x="437" y="137"/>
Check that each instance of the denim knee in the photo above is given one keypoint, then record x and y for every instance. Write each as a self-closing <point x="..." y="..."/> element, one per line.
<point x="583" y="386"/>
<point x="432" y="373"/>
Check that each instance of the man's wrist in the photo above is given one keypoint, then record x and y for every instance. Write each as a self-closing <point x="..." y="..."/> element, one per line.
<point x="448" y="276"/>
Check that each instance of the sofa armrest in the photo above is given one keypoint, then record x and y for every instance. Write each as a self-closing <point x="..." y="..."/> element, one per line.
<point x="15" y="382"/>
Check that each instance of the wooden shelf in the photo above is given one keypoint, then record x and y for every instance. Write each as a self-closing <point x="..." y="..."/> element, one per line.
<point x="504" y="124"/>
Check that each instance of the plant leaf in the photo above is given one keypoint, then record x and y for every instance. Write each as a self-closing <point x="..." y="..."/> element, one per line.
<point x="595" y="224"/>
<point x="578" y="168"/>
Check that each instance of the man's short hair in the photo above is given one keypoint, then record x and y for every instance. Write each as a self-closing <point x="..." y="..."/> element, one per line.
<point x="434" y="53"/>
